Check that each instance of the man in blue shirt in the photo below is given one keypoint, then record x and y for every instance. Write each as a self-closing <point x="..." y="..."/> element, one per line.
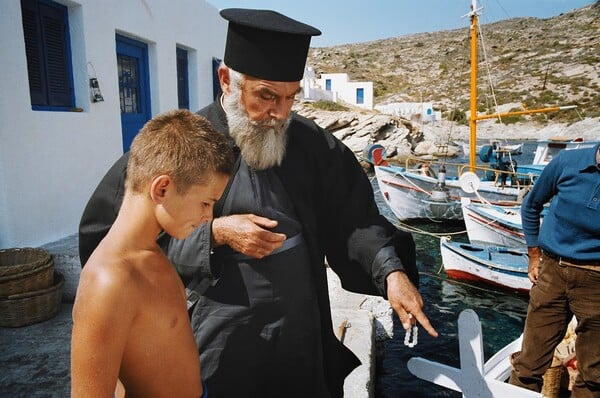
<point x="564" y="266"/>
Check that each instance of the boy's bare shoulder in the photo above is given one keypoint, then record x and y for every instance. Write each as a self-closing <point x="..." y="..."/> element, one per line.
<point x="112" y="269"/>
<point x="106" y="278"/>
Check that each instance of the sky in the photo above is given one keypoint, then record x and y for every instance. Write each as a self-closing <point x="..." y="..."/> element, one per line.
<point x="355" y="21"/>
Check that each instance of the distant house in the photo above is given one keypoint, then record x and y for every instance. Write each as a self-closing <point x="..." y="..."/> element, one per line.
<point x="414" y="111"/>
<point x="311" y="91"/>
<point x="338" y="88"/>
<point x="79" y="78"/>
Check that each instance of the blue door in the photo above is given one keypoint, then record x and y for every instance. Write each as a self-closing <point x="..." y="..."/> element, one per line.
<point x="134" y="87"/>
<point x="360" y="96"/>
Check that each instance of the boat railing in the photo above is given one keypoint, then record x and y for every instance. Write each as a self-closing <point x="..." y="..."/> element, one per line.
<point x="430" y="168"/>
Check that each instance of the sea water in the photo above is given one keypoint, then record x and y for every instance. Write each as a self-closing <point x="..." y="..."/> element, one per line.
<point x="501" y="313"/>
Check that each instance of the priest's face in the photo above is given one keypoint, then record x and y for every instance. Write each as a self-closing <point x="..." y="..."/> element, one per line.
<point x="258" y="114"/>
<point x="266" y="100"/>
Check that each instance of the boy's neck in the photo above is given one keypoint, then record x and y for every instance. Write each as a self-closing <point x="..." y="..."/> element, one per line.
<point x="137" y="220"/>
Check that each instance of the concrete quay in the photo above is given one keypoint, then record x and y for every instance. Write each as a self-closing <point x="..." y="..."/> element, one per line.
<point x="35" y="359"/>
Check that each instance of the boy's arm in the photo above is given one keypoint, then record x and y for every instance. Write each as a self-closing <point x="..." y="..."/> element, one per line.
<point x="102" y="317"/>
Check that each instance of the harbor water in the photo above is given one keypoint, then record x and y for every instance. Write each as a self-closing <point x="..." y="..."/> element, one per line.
<point x="501" y="313"/>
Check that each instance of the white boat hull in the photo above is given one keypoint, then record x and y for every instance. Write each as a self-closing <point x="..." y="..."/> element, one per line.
<point x="410" y="194"/>
<point x="493" y="225"/>
<point x="474" y="377"/>
<point x="462" y="261"/>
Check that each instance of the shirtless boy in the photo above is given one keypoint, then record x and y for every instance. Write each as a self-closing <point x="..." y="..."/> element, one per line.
<point x="130" y="321"/>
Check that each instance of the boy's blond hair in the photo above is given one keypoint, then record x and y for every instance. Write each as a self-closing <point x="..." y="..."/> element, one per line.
<point x="180" y="144"/>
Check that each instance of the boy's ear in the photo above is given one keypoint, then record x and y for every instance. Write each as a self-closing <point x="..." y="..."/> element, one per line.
<point x="159" y="188"/>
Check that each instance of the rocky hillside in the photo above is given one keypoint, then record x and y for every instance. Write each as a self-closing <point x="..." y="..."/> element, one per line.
<point x="533" y="62"/>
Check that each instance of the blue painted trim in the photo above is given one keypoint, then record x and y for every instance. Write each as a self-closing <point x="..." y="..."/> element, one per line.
<point x="139" y="50"/>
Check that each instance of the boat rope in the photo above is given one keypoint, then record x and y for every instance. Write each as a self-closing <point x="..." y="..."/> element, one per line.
<point x="449" y="139"/>
<point x="418" y="188"/>
<point x="410" y="228"/>
<point x="489" y="74"/>
<point x="481" y="198"/>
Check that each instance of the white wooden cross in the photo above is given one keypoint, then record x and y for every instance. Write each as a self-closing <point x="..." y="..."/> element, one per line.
<point x="474" y="378"/>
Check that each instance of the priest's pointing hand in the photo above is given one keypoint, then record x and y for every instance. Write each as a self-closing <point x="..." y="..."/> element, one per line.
<point x="405" y="299"/>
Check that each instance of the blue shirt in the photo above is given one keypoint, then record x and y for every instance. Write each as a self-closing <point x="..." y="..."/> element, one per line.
<point x="571" y="228"/>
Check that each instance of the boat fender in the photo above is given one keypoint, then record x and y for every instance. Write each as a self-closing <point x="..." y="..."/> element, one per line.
<point x="368" y="152"/>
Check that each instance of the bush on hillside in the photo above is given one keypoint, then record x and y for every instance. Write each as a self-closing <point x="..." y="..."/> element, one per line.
<point x="327" y="106"/>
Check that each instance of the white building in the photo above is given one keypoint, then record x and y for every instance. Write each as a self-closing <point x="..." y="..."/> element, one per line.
<point x="338" y="88"/>
<point x="57" y="140"/>
<point x="415" y="111"/>
<point x="311" y="91"/>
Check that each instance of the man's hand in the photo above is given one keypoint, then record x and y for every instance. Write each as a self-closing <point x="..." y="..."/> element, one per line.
<point x="247" y="233"/>
<point x="535" y="256"/>
<point x="405" y="299"/>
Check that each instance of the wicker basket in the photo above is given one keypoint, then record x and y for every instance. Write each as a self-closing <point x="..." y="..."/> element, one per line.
<point x="552" y="381"/>
<point x="36" y="279"/>
<point x="19" y="260"/>
<point x="31" y="307"/>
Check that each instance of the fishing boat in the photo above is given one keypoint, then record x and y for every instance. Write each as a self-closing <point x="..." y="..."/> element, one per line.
<point x="474" y="378"/>
<point x="547" y="150"/>
<point x="500" y="266"/>
<point x="415" y="190"/>
<point x="491" y="224"/>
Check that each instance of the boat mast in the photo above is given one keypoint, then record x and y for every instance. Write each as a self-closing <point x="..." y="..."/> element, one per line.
<point x="473" y="117"/>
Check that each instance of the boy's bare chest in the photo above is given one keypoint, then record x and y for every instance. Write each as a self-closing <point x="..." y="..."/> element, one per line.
<point x="164" y="302"/>
<point x="161" y="341"/>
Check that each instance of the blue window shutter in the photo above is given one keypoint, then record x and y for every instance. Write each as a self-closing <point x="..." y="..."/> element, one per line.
<point x="183" y="94"/>
<point x="57" y="60"/>
<point x="48" y="60"/>
<point x="34" y="52"/>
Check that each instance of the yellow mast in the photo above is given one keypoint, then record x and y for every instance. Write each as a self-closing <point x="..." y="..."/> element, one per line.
<point x="474" y="117"/>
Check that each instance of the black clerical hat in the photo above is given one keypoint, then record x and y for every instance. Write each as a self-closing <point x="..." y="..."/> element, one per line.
<point x="266" y="44"/>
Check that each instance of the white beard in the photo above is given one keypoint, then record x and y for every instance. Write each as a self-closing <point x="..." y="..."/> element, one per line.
<point x="262" y="144"/>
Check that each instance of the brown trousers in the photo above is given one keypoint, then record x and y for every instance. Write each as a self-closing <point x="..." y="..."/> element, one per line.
<point x="561" y="292"/>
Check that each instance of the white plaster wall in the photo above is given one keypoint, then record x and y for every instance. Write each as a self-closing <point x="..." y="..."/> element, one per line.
<point x="408" y="109"/>
<point x="337" y="80"/>
<point x="345" y="90"/>
<point x="50" y="162"/>
<point x="316" y="94"/>
<point x="347" y="93"/>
